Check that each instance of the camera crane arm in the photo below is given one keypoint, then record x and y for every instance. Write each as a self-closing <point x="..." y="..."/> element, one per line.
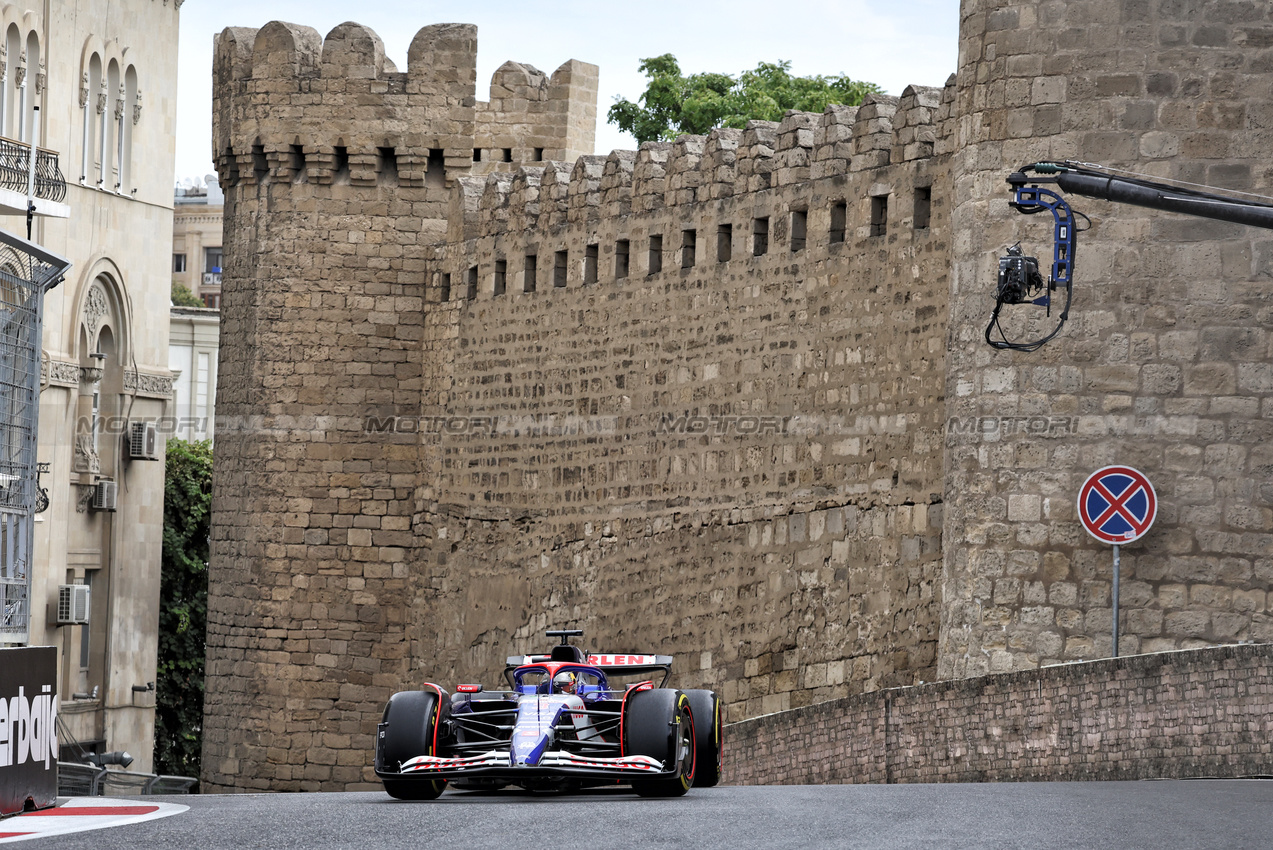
<point x="1019" y="278"/>
<point x="1081" y="180"/>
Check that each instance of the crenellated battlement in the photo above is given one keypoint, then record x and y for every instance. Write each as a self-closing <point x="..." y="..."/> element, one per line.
<point x="726" y="163"/>
<point x="584" y="194"/>
<point x="293" y="107"/>
<point x="720" y="160"/>
<point x="616" y="183"/>
<point x="649" y="176"/>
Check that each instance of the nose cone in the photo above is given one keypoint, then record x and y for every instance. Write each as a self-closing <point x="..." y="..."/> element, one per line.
<point x="529" y="746"/>
<point x="532" y="733"/>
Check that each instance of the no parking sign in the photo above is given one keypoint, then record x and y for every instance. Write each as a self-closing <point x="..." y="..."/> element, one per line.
<point x="1117" y="504"/>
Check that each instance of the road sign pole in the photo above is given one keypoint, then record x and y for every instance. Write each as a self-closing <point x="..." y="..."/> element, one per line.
<point x="1117" y="505"/>
<point x="1115" y="600"/>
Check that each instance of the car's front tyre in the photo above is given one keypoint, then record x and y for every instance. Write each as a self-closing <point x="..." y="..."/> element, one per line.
<point x="659" y="723"/>
<point x="410" y="719"/>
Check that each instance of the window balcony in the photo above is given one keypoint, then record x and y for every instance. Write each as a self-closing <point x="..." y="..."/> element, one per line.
<point x="212" y="278"/>
<point x="15" y="176"/>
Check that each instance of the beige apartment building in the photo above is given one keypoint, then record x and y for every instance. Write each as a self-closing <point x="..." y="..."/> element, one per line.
<point x="94" y="83"/>
<point x="193" y="338"/>
<point x="196" y="240"/>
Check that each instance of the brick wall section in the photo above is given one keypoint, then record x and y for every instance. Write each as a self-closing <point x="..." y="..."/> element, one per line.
<point x="1191" y="713"/>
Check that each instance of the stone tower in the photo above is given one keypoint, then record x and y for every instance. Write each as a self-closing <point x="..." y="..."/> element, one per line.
<point x="1165" y="363"/>
<point x="337" y="171"/>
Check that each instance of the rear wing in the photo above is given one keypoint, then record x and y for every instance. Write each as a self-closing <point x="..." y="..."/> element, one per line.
<point x="612" y="664"/>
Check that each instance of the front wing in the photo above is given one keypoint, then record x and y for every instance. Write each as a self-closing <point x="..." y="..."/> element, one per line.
<point x="496" y="764"/>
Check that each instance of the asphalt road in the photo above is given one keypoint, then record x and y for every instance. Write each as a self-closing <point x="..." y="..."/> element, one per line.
<point x="1226" y="815"/>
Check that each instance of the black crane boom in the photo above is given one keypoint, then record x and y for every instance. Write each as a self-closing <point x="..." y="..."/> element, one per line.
<point x="1020" y="280"/>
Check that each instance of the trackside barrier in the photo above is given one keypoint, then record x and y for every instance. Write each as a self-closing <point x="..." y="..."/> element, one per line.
<point x="79" y="780"/>
<point x="86" y="780"/>
<point x="171" y="785"/>
<point x="122" y="783"/>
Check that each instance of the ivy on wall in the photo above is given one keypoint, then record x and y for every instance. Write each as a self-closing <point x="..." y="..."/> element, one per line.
<point x="183" y="608"/>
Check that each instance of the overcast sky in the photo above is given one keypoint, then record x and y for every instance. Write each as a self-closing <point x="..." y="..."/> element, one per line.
<point x="893" y="43"/>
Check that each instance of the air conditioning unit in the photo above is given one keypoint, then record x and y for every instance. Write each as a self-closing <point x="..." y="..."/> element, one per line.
<point x="72" y="604"/>
<point x="105" y="494"/>
<point x="143" y="441"/>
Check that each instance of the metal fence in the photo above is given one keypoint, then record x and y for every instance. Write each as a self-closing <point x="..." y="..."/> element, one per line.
<point x="27" y="271"/>
<point x="15" y="164"/>
<point x="86" y="780"/>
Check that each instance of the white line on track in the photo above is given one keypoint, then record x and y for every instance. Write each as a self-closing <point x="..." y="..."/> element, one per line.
<point x="80" y="814"/>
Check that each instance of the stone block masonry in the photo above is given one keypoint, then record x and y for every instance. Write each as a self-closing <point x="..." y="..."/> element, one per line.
<point x="715" y="400"/>
<point x="1185" y="714"/>
<point x="724" y="398"/>
<point x="1160" y="365"/>
<point x="719" y="426"/>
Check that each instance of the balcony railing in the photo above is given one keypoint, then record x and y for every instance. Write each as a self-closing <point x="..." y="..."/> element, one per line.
<point x="15" y="166"/>
<point x="27" y="271"/>
<point x="212" y="278"/>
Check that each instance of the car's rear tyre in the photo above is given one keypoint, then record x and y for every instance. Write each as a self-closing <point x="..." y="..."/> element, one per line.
<point x="660" y="723"/>
<point x="709" y="729"/>
<point x="410" y="718"/>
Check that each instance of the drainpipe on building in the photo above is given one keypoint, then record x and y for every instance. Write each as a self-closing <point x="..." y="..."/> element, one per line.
<point x="31" y="157"/>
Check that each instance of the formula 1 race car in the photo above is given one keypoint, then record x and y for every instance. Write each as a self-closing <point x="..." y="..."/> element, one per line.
<point x="565" y="723"/>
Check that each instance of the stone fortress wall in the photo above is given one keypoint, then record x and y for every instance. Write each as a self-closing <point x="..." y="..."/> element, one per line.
<point x="707" y="398"/>
<point x="714" y="403"/>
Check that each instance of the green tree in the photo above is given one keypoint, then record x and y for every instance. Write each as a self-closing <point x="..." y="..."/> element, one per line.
<point x="182" y="297"/>
<point x="674" y="104"/>
<point x="183" y="608"/>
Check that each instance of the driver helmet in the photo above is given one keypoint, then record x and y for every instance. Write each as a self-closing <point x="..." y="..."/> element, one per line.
<point x="565" y="683"/>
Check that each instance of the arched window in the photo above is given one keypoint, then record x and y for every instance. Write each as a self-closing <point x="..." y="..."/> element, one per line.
<point x="110" y="127"/>
<point x="11" y="295"/>
<point x="30" y="91"/>
<point x="12" y="60"/>
<point x="90" y="104"/>
<point x="132" y="114"/>
<point x="101" y="374"/>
